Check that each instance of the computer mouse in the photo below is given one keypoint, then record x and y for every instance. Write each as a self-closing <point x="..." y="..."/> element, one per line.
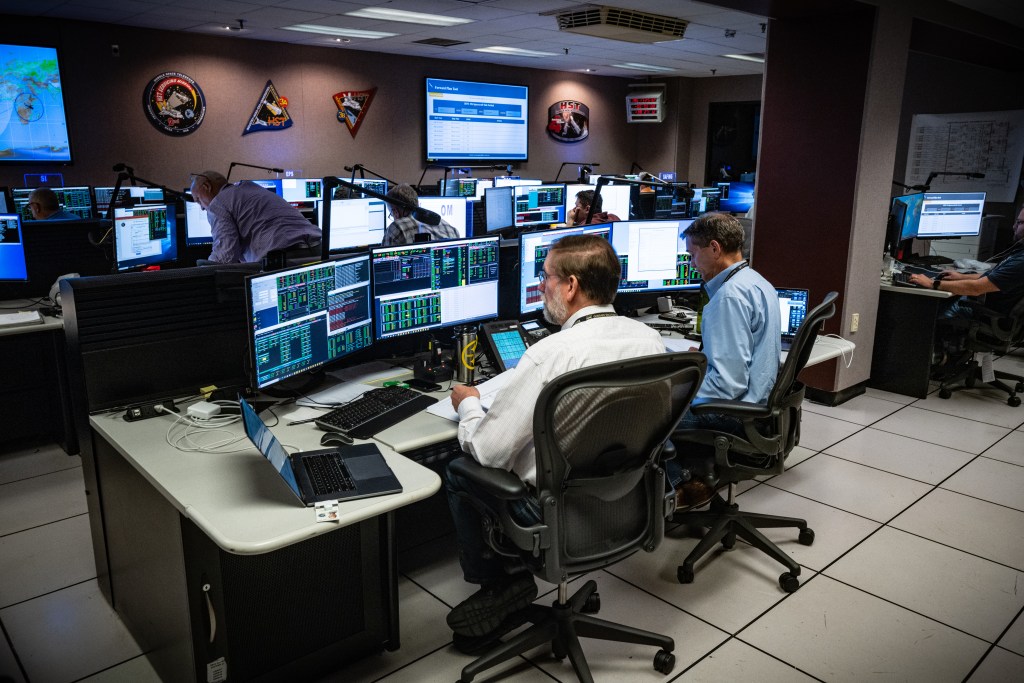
<point x="335" y="439"/>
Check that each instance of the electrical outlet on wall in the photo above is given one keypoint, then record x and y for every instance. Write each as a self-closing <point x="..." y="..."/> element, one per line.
<point x="854" y="322"/>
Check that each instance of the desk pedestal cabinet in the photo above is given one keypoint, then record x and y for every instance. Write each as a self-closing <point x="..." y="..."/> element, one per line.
<point x="904" y="335"/>
<point x="200" y="613"/>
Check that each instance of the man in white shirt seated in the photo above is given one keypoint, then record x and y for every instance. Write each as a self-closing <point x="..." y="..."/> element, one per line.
<point x="580" y="277"/>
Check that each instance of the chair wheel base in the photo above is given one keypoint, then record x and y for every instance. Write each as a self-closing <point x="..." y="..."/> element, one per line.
<point x="945" y="393"/>
<point x="1013" y="401"/>
<point x="592" y="605"/>
<point x="684" y="575"/>
<point x="789" y="583"/>
<point x="806" y="536"/>
<point x="664" y="662"/>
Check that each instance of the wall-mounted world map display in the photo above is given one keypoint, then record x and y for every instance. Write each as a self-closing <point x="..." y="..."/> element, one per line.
<point x="33" y="126"/>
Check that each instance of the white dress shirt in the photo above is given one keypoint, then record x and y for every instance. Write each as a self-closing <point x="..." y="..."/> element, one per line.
<point x="503" y="436"/>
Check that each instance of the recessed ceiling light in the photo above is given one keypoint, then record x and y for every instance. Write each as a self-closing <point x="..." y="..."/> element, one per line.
<point x="759" y="58"/>
<point x="634" y="66"/>
<point x="343" y="32"/>
<point x="514" y="51"/>
<point x="408" y="17"/>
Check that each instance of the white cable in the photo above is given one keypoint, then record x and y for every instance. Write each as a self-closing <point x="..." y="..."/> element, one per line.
<point x="843" y="350"/>
<point x="192" y="427"/>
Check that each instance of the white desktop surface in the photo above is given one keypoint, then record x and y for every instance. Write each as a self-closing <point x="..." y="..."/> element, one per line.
<point x="49" y="322"/>
<point x="917" y="291"/>
<point x="237" y="499"/>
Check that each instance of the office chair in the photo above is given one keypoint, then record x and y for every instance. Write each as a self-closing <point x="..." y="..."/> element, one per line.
<point x="598" y="434"/>
<point x="985" y="331"/>
<point x="771" y="430"/>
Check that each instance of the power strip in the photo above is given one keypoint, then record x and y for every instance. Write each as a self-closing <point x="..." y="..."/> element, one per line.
<point x="144" y="411"/>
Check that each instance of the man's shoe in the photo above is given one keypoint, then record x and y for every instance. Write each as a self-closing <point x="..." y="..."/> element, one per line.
<point x="693" y="494"/>
<point x="484" y="611"/>
<point x="476" y="646"/>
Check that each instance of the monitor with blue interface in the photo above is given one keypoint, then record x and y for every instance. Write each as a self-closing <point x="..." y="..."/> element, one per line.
<point x="354" y="223"/>
<point x="427" y="286"/>
<point x="499" y="207"/>
<point x="304" y="318"/>
<point x="6" y="206"/>
<point x="197" y="225"/>
<point x="453" y="210"/>
<point x="738" y="198"/>
<point x="533" y="249"/>
<point x="476" y="121"/>
<point x="653" y="256"/>
<point x="145" y="236"/>
<point x="33" y="124"/>
<point x="76" y="200"/>
<point x="539" y="205"/>
<point x="12" y="249"/>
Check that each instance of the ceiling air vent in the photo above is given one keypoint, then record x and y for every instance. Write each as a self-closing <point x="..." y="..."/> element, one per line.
<point x="440" y="42"/>
<point x="621" y="24"/>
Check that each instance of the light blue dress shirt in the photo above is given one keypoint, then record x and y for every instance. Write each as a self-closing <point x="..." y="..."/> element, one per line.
<point x="741" y="331"/>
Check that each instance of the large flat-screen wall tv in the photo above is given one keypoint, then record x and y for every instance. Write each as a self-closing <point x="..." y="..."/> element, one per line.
<point x="476" y="121"/>
<point x="33" y="126"/>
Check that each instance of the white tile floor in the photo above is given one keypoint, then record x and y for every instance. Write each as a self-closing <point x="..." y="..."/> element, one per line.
<point x="918" y="509"/>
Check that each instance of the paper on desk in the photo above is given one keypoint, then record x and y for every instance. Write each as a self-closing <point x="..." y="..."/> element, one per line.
<point x="675" y="344"/>
<point x="20" y="318"/>
<point x="355" y="380"/>
<point x="487" y="390"/>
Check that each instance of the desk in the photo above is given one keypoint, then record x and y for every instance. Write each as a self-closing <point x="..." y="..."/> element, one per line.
<point x="34" y="388"/>
<point x="904" y="338"/>
<point x="213" y="563"/>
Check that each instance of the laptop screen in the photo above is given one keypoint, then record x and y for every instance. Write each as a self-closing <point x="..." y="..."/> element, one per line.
<point x="793" y="307"/>
<point x="269" y="446"/>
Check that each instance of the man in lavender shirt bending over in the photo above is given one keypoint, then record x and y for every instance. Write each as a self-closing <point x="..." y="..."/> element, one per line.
<point x="248" y="221"/>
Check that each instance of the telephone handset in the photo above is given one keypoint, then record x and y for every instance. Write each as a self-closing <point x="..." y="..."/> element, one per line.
<point x="534" y="330"/>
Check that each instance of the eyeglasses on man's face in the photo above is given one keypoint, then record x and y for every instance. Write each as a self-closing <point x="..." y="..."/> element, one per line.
<point x="543" y="276"/>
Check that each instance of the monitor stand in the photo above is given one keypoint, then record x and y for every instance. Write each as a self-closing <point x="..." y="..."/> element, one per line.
<point x="295" y="387"/>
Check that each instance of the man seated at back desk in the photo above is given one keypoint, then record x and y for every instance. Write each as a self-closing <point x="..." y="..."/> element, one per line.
<point x="1002" y="286"/>
<point x="741" y="337"/>
<point x="578" y="283"/>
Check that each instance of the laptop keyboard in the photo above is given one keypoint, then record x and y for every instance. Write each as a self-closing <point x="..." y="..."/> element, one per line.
<point x="327" y="473"/>
<point x="375" y="411"/>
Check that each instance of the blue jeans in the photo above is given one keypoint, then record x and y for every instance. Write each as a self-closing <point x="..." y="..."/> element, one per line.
<point x="674" y="468"/>
<point x="480" y="564"/>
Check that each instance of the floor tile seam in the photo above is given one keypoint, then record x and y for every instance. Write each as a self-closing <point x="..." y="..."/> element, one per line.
<point x="40" y="526"/>
<point x="908" y="609"/>
<point x="939" y="412"/>
<point x="112" y="666"/>
<point x="983" y="500"/>
<point x="942" y="444"/>
<point x="661" y="599"/>
<point x="43" y="595"/>
<point x="998" y="441"/>
<point x="726" y="642"/>
<point x="426" y="590"/>
<point x="953" y="547"/>
<point x="895" y="474"/>
<point x="10" y="646"/>
<point x="41" y="474"/>
<point x="778" y="659"/>
<point x="836" y="507"/>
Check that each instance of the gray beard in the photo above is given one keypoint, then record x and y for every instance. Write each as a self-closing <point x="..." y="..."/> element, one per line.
<point x="555" y="310"/>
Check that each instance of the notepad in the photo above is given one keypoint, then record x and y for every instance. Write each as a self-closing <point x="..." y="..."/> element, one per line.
<point x="21" y="318"/>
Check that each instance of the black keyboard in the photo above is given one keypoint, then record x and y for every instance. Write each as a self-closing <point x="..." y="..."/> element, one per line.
<point x="374" y="411"/>
<point x="910" y="270"/>
<point x="903" y="280"/>
<point x="327" y="473"/>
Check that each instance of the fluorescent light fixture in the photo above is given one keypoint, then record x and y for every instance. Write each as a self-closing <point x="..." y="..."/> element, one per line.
<point x="408" y="17"/>
<point x="634" y="66"/>
<point x="335" y="31"/>
<point x="514" y="51"/>
<point x="747" y="58"/>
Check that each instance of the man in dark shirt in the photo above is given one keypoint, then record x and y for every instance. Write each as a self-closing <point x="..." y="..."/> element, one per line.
<point x="578" y="214"/>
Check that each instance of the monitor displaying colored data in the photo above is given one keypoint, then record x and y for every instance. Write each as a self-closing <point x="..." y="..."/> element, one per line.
<point x="12" y="249"/>
<point x="478" y="121"/>
<point x="33" y="125"/>
<point x="128" y="195"/>
<point x="430" y="285"/>
<point x="539" y="204"/>
<point x="145" y="236"/>
<point x="304" y="318"/>
<point x="76" y="200"/>
<point x="353" y="223"/>
<point x="533" y="249"/>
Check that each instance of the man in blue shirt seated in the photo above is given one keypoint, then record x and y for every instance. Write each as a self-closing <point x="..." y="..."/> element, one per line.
<point x="43" y="204"/>
<point x="741" y="332"/>
<point x="248" y="221"/>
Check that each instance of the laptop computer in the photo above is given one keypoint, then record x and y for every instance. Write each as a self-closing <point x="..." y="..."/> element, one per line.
<point x="315" y="476"/>
<point x="793" y="307"/>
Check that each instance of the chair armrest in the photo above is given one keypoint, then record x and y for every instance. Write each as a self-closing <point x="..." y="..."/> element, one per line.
<point x="733" y="408"/>
<point x="499" y="483"/>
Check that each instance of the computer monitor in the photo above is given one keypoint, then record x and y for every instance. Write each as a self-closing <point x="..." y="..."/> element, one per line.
<point x="76" y="200"/>
<point x="197" y="225"/>
<point x="515" y="181"/>
<point x="481" y="185"/>
<point x="705" y="199"/>
<point x="950" y="214"/>
<point x="614" y="198"/>
<point x="671" y="202"/>
<point x="499" y="204"/>
<point x="539" y="204"/>
<point x="13" y="267"/>
<point x="269" y="183"/>
<point x="354" y="223"/>
<point x="533" y="249"/>
<point x="129" y="195"/>
<point x="739" y="197"/>
<point x="452" y="210"/>
<point x="377" y="185"/>
<point x="304" y="193"/>
<point x="145" y="236"/>
<point x="304" y="318"/>
<point x="458" y="187"/>
<point x="906" y="213"/>
<point x="653" y="256"/>
<point x="431" y="285"/>
<point x="6" y="205"/>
